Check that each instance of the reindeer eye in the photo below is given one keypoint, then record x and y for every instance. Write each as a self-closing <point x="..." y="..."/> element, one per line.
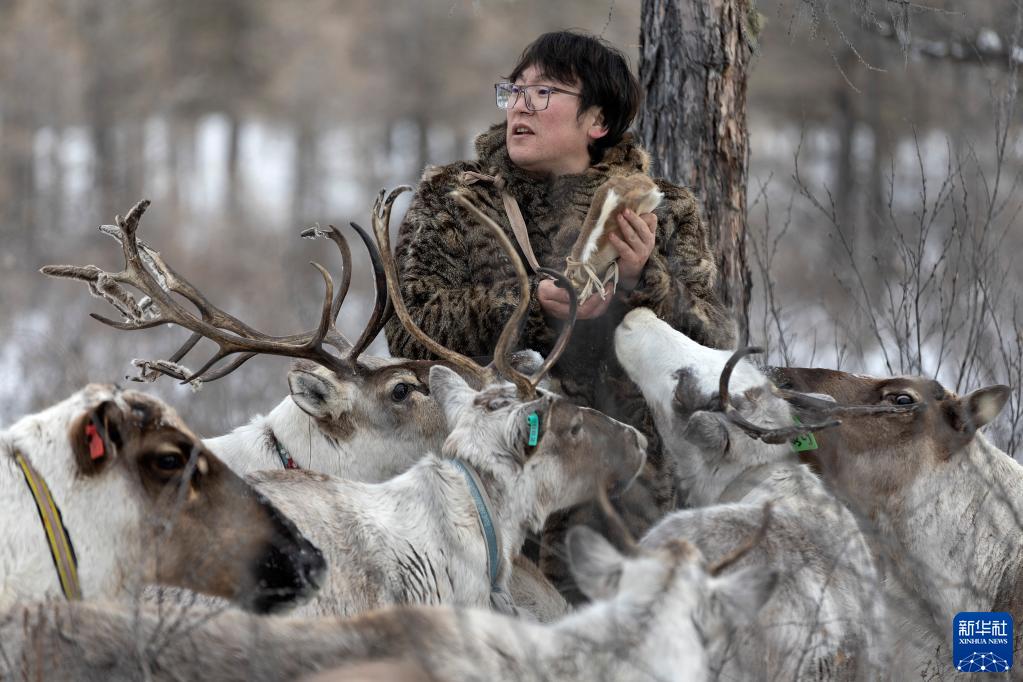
<point x="167" y="463"/>
<point x="903" y="399"/>
<point x="400" y="392"/>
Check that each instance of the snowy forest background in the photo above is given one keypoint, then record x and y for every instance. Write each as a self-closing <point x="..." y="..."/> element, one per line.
<point x="883" y="205"/>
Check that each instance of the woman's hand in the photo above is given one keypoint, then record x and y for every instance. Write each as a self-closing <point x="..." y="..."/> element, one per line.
<point x="634" y="246"/>
<point x="554" y="301"/>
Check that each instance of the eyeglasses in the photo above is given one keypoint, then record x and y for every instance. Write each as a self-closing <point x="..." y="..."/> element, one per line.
<point x="537" y="96"/>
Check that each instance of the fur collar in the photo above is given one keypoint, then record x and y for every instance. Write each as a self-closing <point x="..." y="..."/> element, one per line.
<point x="625" y="158"/>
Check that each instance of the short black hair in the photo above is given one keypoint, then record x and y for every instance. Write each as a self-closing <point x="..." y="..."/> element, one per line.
<point x="601" y="70"/>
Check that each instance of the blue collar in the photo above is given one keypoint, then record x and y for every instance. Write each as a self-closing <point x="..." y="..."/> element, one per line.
<point x="486" y="521"/>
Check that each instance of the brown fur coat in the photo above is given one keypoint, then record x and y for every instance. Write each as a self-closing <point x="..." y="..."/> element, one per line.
<point x="460" y="288"/>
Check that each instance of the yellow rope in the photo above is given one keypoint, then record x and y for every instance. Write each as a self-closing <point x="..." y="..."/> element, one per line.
<point x="60" y="544"/>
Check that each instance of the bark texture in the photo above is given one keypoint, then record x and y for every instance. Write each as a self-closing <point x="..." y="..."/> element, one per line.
<point x="695" y="59"/>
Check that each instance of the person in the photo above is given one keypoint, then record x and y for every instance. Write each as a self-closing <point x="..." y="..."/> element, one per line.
<point x="568" y="102"/>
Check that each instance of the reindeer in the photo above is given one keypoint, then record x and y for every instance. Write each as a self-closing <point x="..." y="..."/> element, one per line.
<point x="446" y="530"/>
<point x="416" y="538"/>
<point x="944" y="504"/>
<point x="655" y="615"/>
<point x="359" y="417"/>
<point x="709" y="407"/>
<point x="348" y="414"/>
<point x="124" y="494"/>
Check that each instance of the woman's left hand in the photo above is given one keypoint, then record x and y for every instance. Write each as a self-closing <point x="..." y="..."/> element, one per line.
<point x="634" y="246"/>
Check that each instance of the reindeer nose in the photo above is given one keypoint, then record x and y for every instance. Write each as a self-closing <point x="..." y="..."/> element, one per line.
<point x="312" y="567"/>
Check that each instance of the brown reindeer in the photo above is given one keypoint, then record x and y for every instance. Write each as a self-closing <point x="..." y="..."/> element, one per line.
<point x="141" y="500"/>
<point x="945" y="505"/>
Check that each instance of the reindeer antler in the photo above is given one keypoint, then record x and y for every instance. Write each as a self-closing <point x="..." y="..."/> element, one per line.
<point x="513" y="329"/>
<point x="146" y="271"/>
<point x="617" y="528"/>
<point x="773" y="436"/>
<point x="526" y="385"/>
<point x="808" y="402"/>
<point x="381" y="307"/>
<point x="381" y="218"/>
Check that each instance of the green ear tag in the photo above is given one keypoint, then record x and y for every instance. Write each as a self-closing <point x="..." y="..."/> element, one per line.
<point x="534" y="428"/>
<point x="803" y="442"/>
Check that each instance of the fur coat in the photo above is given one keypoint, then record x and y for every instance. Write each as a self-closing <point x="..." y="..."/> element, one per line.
<point x="460" y="288"/>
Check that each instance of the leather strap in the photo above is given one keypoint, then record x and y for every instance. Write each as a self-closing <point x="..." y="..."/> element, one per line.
<point x="511" y="209"/>
<point x="491" y="532"/>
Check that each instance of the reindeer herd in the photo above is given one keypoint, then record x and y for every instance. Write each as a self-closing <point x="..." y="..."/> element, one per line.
<point x="376" y="523"/>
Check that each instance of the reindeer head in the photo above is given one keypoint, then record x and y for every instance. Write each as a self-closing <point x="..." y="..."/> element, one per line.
<point x="576" y="449"/>
<point x="706" y="422"/>
<point x="686" y="609"/>
<point x="138" y="489"/>
<point x="384" y="413"/>
<point x="926" y="428"/>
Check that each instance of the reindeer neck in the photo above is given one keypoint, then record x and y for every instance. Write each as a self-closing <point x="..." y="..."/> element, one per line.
<point x="506" y="513"/>
<point x="250" y="447"/>
<point x="516" y="507"/>
<point x="25" y="560"/>
<point x="99" y="533"/>
<point x="960" y="527"/>
<point x="446" y="502"/>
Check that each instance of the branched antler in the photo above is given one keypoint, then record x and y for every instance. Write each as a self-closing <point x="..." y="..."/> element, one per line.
<point x="825" y="408"/>
<point x="775" y="435"/>
<point x="146" y="271"/>
<point x="526" y="385"/>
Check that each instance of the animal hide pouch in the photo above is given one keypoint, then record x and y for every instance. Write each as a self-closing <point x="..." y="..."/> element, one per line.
<point x="594" y="261"/>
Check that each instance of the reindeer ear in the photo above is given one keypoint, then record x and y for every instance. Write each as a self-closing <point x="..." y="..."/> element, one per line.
<point x="705" y="431"/>
<point x="315" y="395"/>
<point x="451" y="391"/>
<point x="595" y="563"/>
<point x="96" y="437"/>
<point x="984" y="404"/>
<point x="738" y="595"/>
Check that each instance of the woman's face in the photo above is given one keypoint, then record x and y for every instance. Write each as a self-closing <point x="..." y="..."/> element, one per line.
<point x="553" y="141"/>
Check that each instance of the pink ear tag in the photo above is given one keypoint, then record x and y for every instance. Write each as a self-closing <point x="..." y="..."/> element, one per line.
<point x="96" y="447"/>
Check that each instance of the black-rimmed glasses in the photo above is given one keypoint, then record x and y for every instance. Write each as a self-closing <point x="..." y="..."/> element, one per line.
<point x="537" y="96"/>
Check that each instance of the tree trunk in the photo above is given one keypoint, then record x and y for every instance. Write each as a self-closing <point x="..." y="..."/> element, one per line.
<point x="694" y="63"/>
<point x="305" y="192"/>
<point x="845" y="128"/>
<point x="233" y="199"/>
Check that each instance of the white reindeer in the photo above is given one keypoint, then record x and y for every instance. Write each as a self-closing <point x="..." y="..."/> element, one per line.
<point x="109" y="490"/>
<point x="822" y="620"/>
<point x="654" y="617"/>
<point x="416" y="538"/>
<point x="349" y="414"/>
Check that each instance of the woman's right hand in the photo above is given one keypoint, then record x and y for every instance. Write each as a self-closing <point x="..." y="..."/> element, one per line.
<point x="554" y="301"/>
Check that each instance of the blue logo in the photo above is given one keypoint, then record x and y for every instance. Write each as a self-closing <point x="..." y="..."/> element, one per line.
<point x="982" y="642"/>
